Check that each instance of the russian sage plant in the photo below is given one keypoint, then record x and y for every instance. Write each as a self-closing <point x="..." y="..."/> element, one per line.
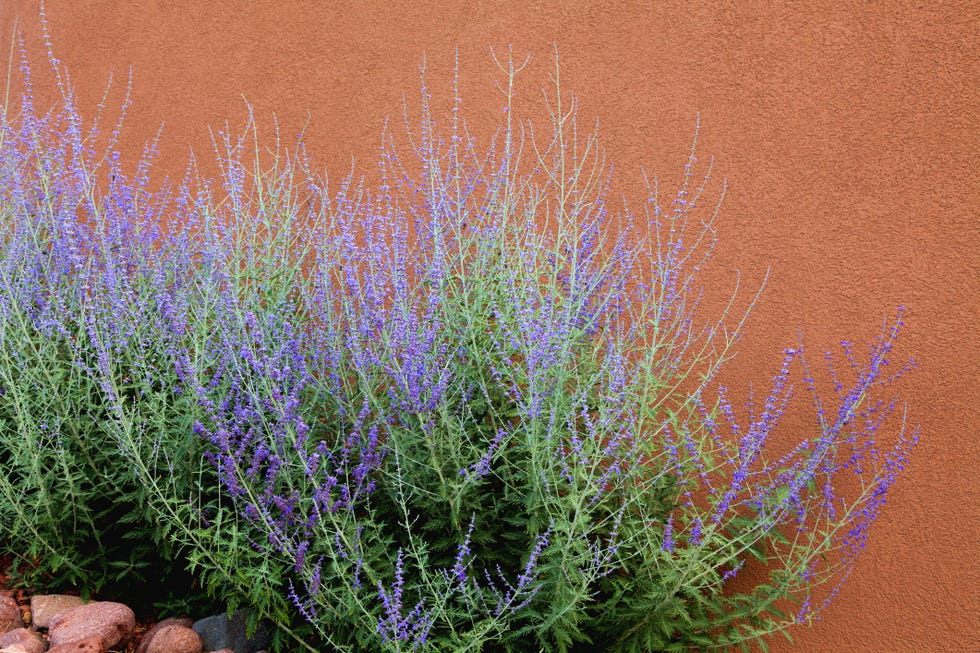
<point x="68" y="255"/>
<point x="471" y="409"/>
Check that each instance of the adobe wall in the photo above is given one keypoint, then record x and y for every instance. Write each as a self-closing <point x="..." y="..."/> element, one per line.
<point x="847" y="134"/>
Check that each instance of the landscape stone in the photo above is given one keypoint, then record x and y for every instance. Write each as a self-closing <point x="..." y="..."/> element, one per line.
<point x="10" y="615"/>
<point x="152" y="632"/>
<point x="110" y="622"/>
<point x="220" y="631"/>
<point x="175" y="639"/>
<point x="15" y="648"/>
<point x="21" y="640"/>
<point x="45" y="606"/>
<point x="92" y="644"/>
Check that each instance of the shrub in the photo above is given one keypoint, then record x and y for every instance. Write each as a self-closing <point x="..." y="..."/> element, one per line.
<point x="470" y="410"/>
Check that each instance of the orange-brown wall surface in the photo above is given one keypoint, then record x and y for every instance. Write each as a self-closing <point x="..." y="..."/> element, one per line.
<point x="848" y="134"/>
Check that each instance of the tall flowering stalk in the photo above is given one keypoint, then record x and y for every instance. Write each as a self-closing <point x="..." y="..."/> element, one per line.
<point x="471" y="409"/>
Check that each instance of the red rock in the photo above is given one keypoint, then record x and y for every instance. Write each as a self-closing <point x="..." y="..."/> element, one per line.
<point x="10" y="616"/>
<point x="151" y="633"/>
<point x="92" y="644"/>
<point x="111" y="622"/>
<point x="175" y="638"/>
<point x="21" y="640"/>
<point x="45" y="606"/>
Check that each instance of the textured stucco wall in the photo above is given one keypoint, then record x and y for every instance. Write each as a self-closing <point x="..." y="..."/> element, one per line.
<point x="848" y="134"/>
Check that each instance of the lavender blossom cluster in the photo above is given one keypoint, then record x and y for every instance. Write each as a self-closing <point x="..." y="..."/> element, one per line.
<point x="471" y="408"/>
